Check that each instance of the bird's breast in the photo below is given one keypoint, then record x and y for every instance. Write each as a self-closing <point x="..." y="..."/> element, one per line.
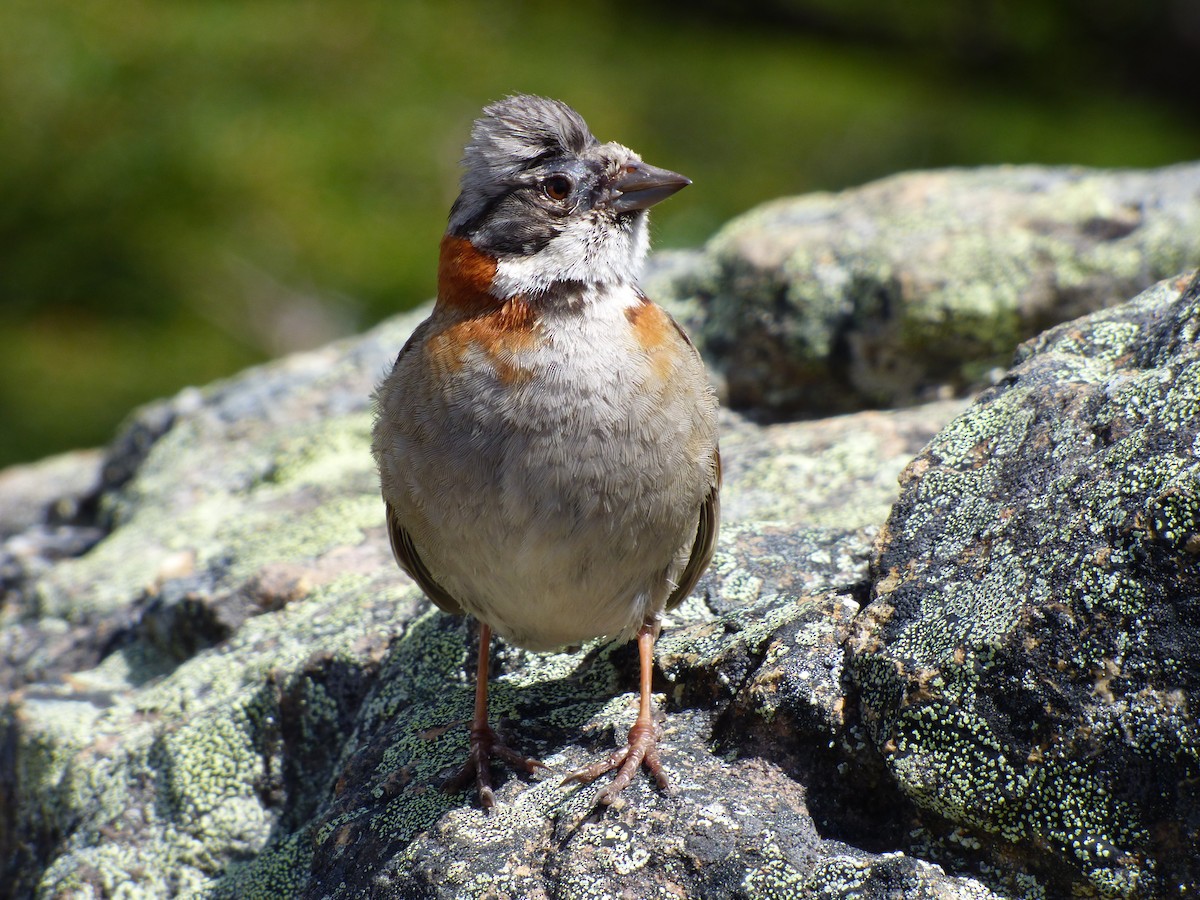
<point x="546" y="411"/>
<point x="549" y="462"/>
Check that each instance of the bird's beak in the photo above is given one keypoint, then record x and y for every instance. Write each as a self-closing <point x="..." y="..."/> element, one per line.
<point x="640" y="186"/>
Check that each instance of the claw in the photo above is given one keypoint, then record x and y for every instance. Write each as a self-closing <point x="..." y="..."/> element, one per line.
<point x="642" y="750"/>
<point x="642" y="747"/>
<point x="485" y="746"/>
<point x="485" y="743"/>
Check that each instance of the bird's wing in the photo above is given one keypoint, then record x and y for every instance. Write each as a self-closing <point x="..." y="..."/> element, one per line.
<point x="410" y="561"/>
<point x="706" y="540"/>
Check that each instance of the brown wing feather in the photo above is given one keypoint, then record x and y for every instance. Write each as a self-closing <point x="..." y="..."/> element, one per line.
<point x="706" y="541"/>
<point x="409" y="560"/>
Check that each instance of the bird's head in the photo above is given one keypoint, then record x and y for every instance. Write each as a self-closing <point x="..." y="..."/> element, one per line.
<point x="549" y="203"/>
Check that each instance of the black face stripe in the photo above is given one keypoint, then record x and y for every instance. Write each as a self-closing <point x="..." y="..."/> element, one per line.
<point x="521" y="220"/>
<point x="513" y="225"/>
<point x="465" y="229"/>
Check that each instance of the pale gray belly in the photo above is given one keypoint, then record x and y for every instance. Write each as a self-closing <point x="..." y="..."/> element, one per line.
<point x="554" y="519"/>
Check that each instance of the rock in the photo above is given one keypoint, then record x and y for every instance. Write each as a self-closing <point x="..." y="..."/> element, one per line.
<point x="266" y="707"/>
<point x="46" y="512"/>
<point x="1028" y="662"/>
<point x="48" y="492"/>
<point x="229" y="690"/>
<point x="923" y="283"/>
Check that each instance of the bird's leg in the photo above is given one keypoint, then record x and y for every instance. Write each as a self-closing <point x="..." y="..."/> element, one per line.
<point x="642" y="748"/>
<point x="485" y="743"/>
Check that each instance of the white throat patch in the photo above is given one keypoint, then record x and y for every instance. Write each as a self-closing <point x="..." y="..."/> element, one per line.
<point x="590" y="250"/>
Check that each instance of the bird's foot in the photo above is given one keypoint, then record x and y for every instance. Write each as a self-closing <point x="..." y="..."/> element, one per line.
<point x="486" y="745"/>
<point x="642" y="750"/>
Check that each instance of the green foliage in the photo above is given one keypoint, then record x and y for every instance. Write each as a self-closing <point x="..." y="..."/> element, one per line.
<point x="189" y="186"/>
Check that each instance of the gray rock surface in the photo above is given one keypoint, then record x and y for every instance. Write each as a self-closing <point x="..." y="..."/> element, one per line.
<point x="45" y="513"/>
<point x="256" y="703"/>
<point x="1029" y="660"/>
<point x="923" y="283"/>
<point x="220" y="685"/>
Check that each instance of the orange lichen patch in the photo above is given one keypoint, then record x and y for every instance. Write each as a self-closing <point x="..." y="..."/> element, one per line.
<point x="658" y="335"/>
<point x="465" y="277"/>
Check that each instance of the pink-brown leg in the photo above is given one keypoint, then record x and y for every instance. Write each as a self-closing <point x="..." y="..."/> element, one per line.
<point x="485" y="743"/>
<point x="642" y="747"/>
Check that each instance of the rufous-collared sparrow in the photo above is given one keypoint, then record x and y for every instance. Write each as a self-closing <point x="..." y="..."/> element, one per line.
<point x="547" y="439"/>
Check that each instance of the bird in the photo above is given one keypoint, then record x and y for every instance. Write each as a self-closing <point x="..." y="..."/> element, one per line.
<point x="547" y="439"/>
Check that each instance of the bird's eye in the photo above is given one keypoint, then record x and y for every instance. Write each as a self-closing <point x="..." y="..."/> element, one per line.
<point x="557" y="187"/>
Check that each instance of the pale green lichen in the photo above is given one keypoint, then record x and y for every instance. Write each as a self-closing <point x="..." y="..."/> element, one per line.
<point x="849" y="877"/>
<point x="280" y="873"/>
<point x="1065" y="538"/>
<point x="197" y="740"/>
<point x="859" y="299"/>
<point x="775" y="877"/>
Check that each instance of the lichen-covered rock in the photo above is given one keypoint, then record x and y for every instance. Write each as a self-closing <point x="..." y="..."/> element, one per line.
<point x="44" y="509"/>
<point x="1029" y="663"/>
<point x="390" y="826"/>
<point x="220" y="684"/>
<point x="144" y="749"/>
<point x="890" y="292"/>
<point x="46" y="493"/>
<point x="236" y="693"/>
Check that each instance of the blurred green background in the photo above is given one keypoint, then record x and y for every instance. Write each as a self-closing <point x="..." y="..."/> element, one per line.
<point x="191" y="186"/>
